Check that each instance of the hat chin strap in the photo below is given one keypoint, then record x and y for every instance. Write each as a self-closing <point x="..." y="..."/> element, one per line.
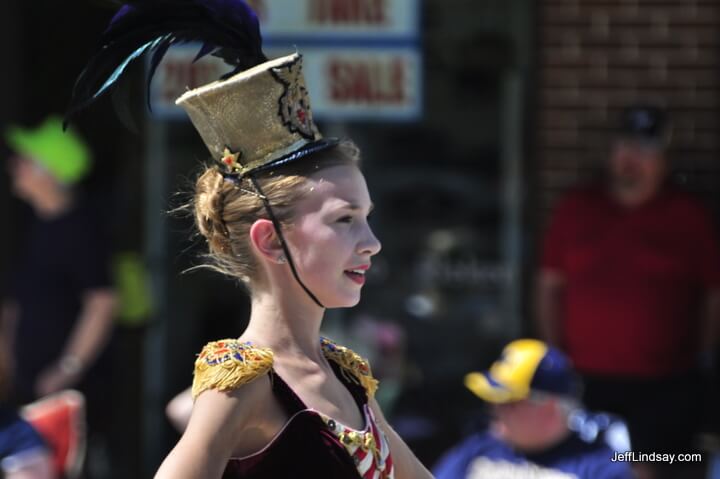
<point x="283" y="243"/>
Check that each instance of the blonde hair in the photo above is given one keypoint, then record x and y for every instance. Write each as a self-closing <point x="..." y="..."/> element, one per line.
<point x="224" y="210"/>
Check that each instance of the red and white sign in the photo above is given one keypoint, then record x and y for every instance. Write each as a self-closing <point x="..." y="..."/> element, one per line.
<point x="302" y="19"/>
<point x="344" y="83"/>
<point x="364" y="83"/>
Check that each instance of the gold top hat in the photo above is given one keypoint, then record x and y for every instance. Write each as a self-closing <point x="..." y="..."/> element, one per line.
<point x="257" y="117"/>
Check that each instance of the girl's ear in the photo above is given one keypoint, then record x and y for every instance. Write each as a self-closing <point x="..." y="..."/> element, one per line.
<point x="265" y="241"/>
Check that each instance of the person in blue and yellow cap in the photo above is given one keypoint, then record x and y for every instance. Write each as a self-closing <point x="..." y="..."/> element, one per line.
<point x="538" y="430"/>
<point x="58" y="303"/>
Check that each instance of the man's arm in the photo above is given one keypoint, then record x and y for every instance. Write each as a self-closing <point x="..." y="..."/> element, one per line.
<point x="710" y="326"/>
<point x="8" y="321"/>
<point x="706" y="249"/>
<point x="548" y="305"/>
<point x="86" y="342"/>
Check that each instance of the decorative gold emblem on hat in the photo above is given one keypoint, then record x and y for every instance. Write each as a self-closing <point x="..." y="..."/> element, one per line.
<point x="295" y="102"/>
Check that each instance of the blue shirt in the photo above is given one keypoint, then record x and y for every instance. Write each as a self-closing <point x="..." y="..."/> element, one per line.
<point x="482" y="455"/>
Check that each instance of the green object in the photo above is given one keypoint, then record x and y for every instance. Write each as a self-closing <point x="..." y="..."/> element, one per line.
<point x="131" y="283"/>
<point x="63" y="154"/>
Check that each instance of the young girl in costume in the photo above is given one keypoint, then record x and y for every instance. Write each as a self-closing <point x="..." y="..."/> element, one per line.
<point x="285" y="211"/>
<point x="280" y="401"/>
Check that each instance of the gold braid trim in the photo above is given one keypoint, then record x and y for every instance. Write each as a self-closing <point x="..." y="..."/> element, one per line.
<point x="228" y="364"/>
<point x="354" y="367"/>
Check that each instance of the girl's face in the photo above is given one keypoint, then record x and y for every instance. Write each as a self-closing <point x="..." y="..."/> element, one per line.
<point x="331" y="241"/>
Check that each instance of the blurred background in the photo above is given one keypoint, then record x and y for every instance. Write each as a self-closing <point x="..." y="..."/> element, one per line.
<point x="473" y="117"/>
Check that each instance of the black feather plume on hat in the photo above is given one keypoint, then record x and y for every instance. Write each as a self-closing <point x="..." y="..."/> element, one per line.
<point x="226" y="28"/>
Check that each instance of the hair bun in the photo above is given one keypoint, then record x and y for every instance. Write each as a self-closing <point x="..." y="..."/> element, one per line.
<point x="209" y="203"/>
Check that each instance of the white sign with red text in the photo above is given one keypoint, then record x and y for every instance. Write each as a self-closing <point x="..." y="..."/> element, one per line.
<point x="364" y="83"/>
<point x="344" y="83"/>
<point x="308" y="19"/>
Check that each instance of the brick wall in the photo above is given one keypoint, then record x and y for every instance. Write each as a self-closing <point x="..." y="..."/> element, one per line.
<point x="594" y="56"/>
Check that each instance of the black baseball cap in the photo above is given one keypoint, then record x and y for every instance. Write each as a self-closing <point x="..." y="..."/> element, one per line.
<point x="645" y="123"/>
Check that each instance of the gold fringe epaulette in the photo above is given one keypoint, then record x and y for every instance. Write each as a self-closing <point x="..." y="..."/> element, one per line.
<point x="228" y="364"/>
<point x="352" y="363"/>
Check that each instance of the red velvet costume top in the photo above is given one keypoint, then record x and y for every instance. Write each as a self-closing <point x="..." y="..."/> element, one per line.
<point x="635" y="281"/>
<point x="310" y="444"/>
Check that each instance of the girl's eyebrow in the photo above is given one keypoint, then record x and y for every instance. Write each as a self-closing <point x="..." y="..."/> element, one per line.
<point x="355" y="206"/>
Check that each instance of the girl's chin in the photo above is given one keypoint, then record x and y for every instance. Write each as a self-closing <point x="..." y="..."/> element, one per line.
<point x="343" y="302"/>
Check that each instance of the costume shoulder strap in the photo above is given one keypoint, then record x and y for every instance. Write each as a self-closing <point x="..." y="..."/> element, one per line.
<point x="355" y="367"/>
<point x="228" y="364"/>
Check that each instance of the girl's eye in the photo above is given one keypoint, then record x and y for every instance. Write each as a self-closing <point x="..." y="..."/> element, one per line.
<point x="345" y="219"/>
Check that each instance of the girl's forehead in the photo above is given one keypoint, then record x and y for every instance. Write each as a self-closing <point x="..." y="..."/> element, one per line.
<point x="346" y="184"/>
<point x="339" y="181"/>
<point x="337" y="173"/>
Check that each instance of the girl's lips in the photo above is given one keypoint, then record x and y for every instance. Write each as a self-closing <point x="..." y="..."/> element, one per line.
<point x="356" y="277"/>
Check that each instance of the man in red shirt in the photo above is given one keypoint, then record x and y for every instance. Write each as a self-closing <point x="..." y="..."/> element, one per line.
<point x="629" y="287"/>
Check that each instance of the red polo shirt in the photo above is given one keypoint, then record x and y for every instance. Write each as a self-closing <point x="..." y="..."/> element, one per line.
<point x="635" y="281"/>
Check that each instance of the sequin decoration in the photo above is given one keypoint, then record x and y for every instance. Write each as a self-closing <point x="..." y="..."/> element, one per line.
<point x="368" y="448"/>
<point x="294" y="103"/>
<point x="230" y="160"/>
<point x="228" y="364"/>
<point x="355" y="367"/>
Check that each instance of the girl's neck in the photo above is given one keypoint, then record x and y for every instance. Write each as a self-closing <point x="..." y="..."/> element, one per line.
<point x="287" y="326"/>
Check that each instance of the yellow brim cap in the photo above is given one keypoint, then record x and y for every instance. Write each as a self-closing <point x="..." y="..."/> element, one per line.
<point x="510" y="377"/>
<point x="484" y="387"/>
